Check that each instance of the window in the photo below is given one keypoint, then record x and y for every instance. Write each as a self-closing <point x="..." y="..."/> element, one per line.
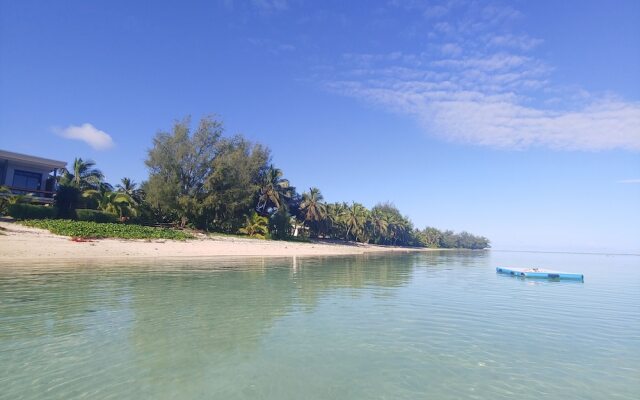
<point x="26" y="180"/>
<point x="3" y="172"/>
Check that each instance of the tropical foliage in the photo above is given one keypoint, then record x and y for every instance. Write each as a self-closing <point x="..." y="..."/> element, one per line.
<point x="200" y="178"/>
<point x="83" y="176"/>
<point x="275" y="191"/>
<point x="118" y="203"/>
<point x="313" y="210"/>
<point x="256" y="226"/>
<point x="131" y="189"/>
<point x="93" y="230"/>
<point x="28" y="211"/>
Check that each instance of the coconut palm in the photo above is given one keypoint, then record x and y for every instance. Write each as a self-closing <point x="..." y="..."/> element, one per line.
<point x="336" y="219"/>
<point x="355" y="219"/>
<point x="83" y="175"/>
<point x="379" y="225"/>
<point x="256" y="226"/>
<point x="117" y="203"/>
<point x="130" y="188"/>
<point x="313" y="209"/>
<point x="275" y="191"/>
<point x="398" y="230"/>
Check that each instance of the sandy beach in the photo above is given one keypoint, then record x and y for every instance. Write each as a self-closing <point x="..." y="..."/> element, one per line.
<point x="24" y="244"/>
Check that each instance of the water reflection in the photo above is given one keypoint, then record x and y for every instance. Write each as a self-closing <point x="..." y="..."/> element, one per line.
<point x="402" y="326"/>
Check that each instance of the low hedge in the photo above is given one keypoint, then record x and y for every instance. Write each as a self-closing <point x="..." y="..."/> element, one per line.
<point x="83" y="214"/>
<point x="30" y="211"/>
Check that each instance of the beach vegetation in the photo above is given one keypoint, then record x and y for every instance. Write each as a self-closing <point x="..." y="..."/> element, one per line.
<point x="94" y="230"/>
<point x="116" y="203"/>
<point x="66" y="200"/>
<point x="313" y="210"/>
<point x="281" y="225"/>
<point x="256" y="226"/>
<point x="95" y="216"/>
<point x="275" y="191"/>
<point x="132" y="190"/>
<point x="201" y="179"/>
<point x="21" y="211"/>
<point x="83" y="175"/>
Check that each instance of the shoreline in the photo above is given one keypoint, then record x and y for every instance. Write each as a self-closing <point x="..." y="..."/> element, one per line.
<point x="22" y="244"/>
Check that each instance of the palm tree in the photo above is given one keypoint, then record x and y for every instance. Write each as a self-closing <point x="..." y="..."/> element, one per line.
<point x="398" y="230"/>
<point x="7" y="198"/>
<point x="313" y="209"/>
<point x="117" y="203"/>
<point x="83" y="175"/>
<point x="256" y="226"/>
<point x="336" y="219"/>
<point x="379" y="224"/>
<point x="130" y="188"/>
<point x="355" y="218"/>
<point x="275" y="191"/>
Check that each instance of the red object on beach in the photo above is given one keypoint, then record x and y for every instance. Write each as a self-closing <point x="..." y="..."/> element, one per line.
<point x="80" y="240"/>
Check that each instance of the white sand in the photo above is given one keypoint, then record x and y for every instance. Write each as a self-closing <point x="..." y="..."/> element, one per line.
<point x="21" y="243"/>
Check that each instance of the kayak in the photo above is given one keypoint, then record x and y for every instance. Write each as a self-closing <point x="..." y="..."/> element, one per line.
<point x="539" y="273"/>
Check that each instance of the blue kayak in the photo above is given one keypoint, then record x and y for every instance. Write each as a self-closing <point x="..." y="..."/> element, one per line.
<point x="539" y="273"/>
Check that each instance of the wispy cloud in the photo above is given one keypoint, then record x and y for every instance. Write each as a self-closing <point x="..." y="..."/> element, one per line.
<point x="521" y="42"/>
<point x="629" y="181"/>
<point x="89" y="134"/>
<point x="271" y="5"/>
<point x="481" y="84"/>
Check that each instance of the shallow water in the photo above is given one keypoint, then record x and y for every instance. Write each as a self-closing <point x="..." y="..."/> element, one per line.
<point x="439" y="325"/>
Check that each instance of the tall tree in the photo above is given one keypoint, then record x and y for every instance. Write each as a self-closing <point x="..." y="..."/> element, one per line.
<point x="313" y="209"/>
<point x="379" y="225"/>
<point x="356" y="218"/>
<point x="179" y="163"/>
<point x="335" y="221"/>
<point x="275" y="191"/>
<point x="234" y="182"/>
<point x="131" y="189"/>
<point x="83" y="175"/>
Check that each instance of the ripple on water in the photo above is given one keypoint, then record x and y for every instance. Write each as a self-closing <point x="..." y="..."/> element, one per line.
<point x="440" y="325"/>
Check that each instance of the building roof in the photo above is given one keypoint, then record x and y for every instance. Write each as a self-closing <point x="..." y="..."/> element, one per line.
<point x="25" y="158"/>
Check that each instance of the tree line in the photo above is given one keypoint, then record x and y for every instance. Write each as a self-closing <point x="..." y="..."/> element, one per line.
<point x="200" y="178"/>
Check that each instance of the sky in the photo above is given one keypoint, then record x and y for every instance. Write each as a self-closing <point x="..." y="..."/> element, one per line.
<point x="515" y="120"/>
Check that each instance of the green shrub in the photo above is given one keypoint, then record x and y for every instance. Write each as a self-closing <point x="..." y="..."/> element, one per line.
<point x="67" y="199"/>
<point x="95" y="216"/>
<point x="94" y="230"/>
<point x="30" y="211"/>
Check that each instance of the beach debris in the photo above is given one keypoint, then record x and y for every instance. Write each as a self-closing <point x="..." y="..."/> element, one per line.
<point x="78" y="239"/>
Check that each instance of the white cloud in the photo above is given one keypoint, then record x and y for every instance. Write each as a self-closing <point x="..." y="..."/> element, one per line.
<point x="89" y="134"/>
<point x="481" y="85"/>
<point x="521" y="42"/>
<point x="500" y="120"/>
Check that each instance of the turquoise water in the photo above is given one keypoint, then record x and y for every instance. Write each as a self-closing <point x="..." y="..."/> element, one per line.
<point x="434" y="326"/>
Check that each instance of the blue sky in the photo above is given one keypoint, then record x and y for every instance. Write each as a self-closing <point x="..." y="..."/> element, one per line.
<point x="516" y="120"/>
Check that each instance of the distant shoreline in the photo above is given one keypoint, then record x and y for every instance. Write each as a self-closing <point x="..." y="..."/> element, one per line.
<point x="595" y="253"/>
<point x="19" y="244"/>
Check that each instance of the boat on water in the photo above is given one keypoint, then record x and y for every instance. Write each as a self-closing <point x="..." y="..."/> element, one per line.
<point x="539" y="273"/>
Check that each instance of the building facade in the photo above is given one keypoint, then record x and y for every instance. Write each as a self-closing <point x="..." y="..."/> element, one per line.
<point x="26" y="174"/>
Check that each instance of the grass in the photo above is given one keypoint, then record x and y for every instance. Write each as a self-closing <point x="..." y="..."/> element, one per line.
<point x="94" y="230"/>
